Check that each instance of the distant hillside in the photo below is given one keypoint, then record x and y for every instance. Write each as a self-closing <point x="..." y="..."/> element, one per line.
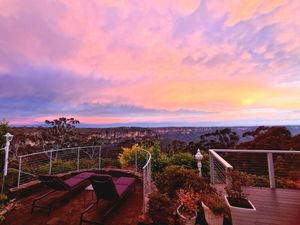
<point x="31" y="139"/>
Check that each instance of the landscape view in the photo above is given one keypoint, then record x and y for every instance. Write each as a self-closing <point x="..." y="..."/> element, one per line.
<point x="150" y="112"/>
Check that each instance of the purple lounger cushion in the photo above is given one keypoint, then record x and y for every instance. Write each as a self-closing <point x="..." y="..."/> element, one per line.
<point x="125" y="181"/>
<point x="84" y="175"/>
<point x="106" y="188"/>
<point x="121" y="189"/>
<point x="72" y="182"/>
<point x="78" y="179"/>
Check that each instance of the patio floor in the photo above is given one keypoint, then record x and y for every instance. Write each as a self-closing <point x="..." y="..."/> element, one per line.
<point x="274" y="206"/>
<point x="69" y="212"/>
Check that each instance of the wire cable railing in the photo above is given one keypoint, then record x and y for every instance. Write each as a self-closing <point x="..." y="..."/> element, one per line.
<point x="65" y="160"/>
<point x="263" y="168"/>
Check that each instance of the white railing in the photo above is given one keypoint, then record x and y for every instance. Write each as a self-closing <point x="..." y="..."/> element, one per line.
<point x="273" y="168"/>
<point x="147" y="180"/>
<point x="82" y="158"/>
<point x="57" y="161"/>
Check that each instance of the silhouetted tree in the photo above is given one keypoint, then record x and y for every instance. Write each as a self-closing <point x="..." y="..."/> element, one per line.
<point x="62" y="133"/>
<point x="225" y="138"/>
<point x="268" y="138"/>
<point x="3" y="131"/>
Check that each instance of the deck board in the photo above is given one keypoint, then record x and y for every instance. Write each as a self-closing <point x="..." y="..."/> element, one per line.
<point x="274" y="206"/>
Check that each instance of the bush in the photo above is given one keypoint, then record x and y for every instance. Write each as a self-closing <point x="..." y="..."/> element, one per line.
<point x="215" y="202"/>
<point x="184" y="159"/>
<point x="86" y="163"/>
<point x="159" y="208"/>
<point x="60" y="166"/>
<point x="106" y="162"/>
<point x="175" y="177"/>
<point x="127" y="157"/>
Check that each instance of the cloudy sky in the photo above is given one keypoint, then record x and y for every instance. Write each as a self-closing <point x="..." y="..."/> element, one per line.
<point x="150" y="63"/>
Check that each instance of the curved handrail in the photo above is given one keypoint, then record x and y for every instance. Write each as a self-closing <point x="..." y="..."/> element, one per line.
<point x="149" y="158"/>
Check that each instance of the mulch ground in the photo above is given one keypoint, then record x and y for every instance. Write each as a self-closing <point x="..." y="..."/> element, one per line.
<point x="68" y="212"/>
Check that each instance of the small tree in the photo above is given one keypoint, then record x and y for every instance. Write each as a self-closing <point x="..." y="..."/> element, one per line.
<point x="3" y="131"/>
<point x="62" y="132"/>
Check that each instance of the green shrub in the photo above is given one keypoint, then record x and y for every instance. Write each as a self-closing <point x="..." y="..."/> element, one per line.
<point x="176" y="177"/>
<point x="106" y="162"/>
<point x="184" y="159"/>
<point x="88" y="163"/>
<point x="159" y="208"/>
<point x="127" y="157"/>
<point x="61" y="166"/>
<point x="215" y="202"/>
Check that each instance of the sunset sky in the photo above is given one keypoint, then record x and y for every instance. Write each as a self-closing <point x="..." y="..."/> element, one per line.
<point x="150" y="63"/>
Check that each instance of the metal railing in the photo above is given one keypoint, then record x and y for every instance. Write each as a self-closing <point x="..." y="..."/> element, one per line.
<point x="57" y="161"/>
<point x="147" y="180"/>
<point x="81" y="158"/>
<point x="263" y="168"/>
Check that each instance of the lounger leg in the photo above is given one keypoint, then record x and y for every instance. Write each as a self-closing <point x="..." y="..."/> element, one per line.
<point x="39" y="198"/>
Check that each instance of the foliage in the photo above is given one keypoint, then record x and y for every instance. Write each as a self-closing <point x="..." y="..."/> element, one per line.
<point x="234" y="189"/>
<point x="268" y="138"/>
<point x="62" y="133"/>
<point x="184" y="159"/>
<point x="159" y="208"/>
<point x="3" y="199"/>
<point x="3" y="131"/>
<point x="188" y="199"/>
<point x="215" y="202"/>
<point x="158" y="160"/>
<point x="225" y="138"/>
<point x="127" y="157"/>
<point x="109" y="162"/>
<point x="176" y="177"/>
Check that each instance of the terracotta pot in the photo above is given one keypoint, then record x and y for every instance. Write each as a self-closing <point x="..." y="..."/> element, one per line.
<point x="211" y="218"/>
<point x="184" y="220"/>
<point x="242" y="216"/>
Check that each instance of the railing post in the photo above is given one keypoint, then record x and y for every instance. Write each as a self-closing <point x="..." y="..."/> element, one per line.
<point x="50" y="163"/>
<point x="144" y="189"/>
<point x="271" y="170"/>
<point x="99" y="157"/>
<point x="78" y="158"/>
<point x="19" y="172"/>
<point x="135" y="160"/>
<point x="211" y="168"/>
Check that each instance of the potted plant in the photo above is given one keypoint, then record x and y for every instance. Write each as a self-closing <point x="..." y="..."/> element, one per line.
<point x="187" y="210"/>
<point x="241" y="209"/>
<point x="214" y="208"/>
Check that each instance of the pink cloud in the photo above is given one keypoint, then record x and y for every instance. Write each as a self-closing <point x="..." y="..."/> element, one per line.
<point x="165" y="55"/>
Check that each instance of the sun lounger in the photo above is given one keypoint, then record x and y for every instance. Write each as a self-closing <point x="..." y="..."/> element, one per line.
<point x="106" y="188"/>
<point x="69" y="186"/>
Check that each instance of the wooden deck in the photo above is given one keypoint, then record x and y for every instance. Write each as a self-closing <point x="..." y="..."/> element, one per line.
<point x="275" y="206"/>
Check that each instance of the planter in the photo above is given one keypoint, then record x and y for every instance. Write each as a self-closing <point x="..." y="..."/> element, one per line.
<point x="242" y="216"/>
<point x="210" y="217"/>
<point x="184" y="219"/>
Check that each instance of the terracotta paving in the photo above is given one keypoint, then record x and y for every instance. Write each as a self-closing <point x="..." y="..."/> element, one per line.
<point x="69" y="212"/>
